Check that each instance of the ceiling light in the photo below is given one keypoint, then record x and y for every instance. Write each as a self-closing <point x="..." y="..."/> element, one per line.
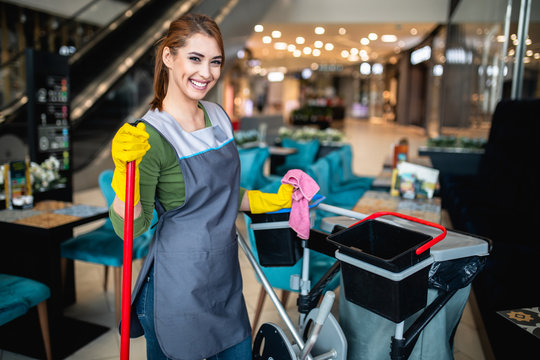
<point x="318" y="44"/>
<point x="342" y="31"/>
<point x="364" y="41"/>
<point x="280" y="45"/>
<point x="291" y="47"/>
<point x="354" y="51"/>
<point x="329" y="46"/>
<point x="373" y="36"/>
<point x="413" y="31"/>
<point x="344" y="54"/>
<point x="515" y="42"/>
<point x="307" y="50"/>
<point x="388" y="38"/>
<point x="266" y="39"/>
<point x="306" y="73"/>
<point x="297" y="53"/>
<point x="276" y="34"/>
<point x="377" y="69"/>
<point x="501" y="38"/>
<point x="240" y="54"/>
<point x="437" y="70"/>
<point x="363" y="52"/>
<point x="537" y="55"/>
<point x="316" y="52"/>
<point x="526" y="60"/>
<point x="300" y="40"/>
<point x="353" y="57"/>
<point x="319" y="30"/>
<point x="511" y="52"/>
<point x="365" y="68"/>
<point x="528" y="42"/>
<point x="513" y="37"/>
<point x="529" y="53"/>
<point x="258" y="28"/>
<point x="275" y="76"/>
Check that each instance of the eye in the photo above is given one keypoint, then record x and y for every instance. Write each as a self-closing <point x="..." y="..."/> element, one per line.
<point x="216" y="62"/>
<point x="195" y="58"/>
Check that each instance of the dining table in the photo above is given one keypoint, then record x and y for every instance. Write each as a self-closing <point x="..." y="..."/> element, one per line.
<point x="30" y="244"/>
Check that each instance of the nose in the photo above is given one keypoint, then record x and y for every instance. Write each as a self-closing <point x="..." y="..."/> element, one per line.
<point x="204" y="71"/>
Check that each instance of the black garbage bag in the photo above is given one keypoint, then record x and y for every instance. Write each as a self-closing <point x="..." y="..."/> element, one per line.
<point x="455" y="274"/>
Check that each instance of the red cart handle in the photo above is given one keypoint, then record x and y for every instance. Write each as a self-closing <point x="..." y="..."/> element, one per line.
<point x="422" y="248"/>
<point x="126" y="264"/>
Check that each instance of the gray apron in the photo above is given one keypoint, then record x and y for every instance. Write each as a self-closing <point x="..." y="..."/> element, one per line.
<point x="199" y="307"/>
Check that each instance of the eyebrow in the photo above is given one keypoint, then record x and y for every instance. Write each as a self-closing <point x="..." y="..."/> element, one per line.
<point x="201" y="55"/>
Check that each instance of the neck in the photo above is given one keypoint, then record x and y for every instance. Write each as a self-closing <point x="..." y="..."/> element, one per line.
<point x="185" y="111"/>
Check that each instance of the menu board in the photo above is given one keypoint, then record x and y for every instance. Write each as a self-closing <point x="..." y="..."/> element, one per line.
<point x="49" y="130"/>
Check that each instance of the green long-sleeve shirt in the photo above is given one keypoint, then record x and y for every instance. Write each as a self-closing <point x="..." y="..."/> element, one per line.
<point x="161" y="177"/>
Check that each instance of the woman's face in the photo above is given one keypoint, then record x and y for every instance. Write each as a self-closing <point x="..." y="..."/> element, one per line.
<point x="196" y="67"/>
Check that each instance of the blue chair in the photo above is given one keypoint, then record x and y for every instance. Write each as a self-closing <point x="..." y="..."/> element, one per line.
<point x="305" y="156"/>
<point x="342" y="178"/>
<point x="103" y="246"/>
<point x="279" y="277"/>
<point x="17" y="296"/>
<point x="252" y="161"/>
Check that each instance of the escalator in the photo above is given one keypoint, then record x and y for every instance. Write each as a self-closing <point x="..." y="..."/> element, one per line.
<point x="111" y="77"/>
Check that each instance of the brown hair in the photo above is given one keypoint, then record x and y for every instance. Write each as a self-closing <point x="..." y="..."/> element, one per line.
<point x="179" y="32"/>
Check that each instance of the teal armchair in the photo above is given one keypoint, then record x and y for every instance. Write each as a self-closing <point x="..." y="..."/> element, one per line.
<point x="305" y="155"/>
<point x="17" y="296"/>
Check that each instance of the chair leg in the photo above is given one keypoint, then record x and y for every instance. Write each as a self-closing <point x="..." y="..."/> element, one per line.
<point x="260" y="303"/>
<point x="63" y="270"/>
<point x="118" y="291"/>
<point x="105" y="278"/>
<point x="284" y="297"/>
<point x="44" y="324"/>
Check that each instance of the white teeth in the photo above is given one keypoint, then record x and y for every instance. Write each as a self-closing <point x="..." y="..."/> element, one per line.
<point x="199" y="84"/>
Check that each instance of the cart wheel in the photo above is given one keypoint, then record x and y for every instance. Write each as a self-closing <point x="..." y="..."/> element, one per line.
<point x="271" y="343"/>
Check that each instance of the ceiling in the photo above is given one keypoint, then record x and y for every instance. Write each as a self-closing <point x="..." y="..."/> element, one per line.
<point x="410" y="21"/>
<point x="348" y="41"/>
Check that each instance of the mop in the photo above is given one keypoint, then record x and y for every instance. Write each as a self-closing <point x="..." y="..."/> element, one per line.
<point x="128" y="254"/>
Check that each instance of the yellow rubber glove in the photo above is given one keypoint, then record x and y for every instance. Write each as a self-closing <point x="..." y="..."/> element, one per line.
<point x="260" y="202"/>
<point x="129" y="144"/>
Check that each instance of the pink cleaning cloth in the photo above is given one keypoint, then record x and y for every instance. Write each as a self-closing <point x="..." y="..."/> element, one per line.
<point x="304" y="190"/>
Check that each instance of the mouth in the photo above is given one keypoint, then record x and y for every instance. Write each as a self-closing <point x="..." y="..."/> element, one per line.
<point x="200" y="85"/>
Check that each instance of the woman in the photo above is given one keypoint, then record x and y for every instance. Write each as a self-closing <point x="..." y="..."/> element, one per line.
<point x="187" y="300"/>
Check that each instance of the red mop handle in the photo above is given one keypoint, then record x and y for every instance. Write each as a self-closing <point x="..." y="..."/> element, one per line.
<point x="128" y="255"/>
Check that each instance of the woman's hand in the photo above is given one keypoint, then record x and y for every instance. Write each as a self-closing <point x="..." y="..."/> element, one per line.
<point x="260" y="202"/>
<point x="129" y="144"/>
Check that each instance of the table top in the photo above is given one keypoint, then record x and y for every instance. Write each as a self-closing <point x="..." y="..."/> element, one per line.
<point x="282" y="151"/>
<point x="374" y="201"/>
<point x="51" y="213"/>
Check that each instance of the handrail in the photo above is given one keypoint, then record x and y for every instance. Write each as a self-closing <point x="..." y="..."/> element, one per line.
<point x="95" y="90"/>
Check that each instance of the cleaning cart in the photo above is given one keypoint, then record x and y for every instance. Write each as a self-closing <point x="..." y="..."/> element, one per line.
<point x="401" y="279"/>
<point x="405" y="283"/>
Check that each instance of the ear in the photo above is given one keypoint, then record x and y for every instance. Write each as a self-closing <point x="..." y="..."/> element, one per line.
<point x="167" y="57"/>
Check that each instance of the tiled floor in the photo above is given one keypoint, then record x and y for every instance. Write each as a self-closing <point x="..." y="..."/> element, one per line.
<point x="371" y="141"/>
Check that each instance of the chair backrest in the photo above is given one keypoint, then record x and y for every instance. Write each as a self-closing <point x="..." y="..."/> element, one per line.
<point x="104" y="181"/>
<point x="320" y="172"/>
<point x="346" y="161"/>
<point x="252" y="162"/>
<point x="335" y="162"/>
<point x="508" y="165"/>
<point x="307" y="152"/>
